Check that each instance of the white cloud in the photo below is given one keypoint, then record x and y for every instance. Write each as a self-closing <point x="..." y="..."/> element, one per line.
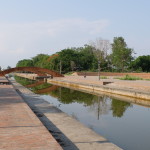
<point x="28" y="39"/>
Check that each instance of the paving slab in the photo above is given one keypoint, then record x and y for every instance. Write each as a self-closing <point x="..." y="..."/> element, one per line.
<point x="20" y="129"/>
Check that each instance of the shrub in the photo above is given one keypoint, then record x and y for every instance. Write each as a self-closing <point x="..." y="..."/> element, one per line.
<point x="128" y="77"/>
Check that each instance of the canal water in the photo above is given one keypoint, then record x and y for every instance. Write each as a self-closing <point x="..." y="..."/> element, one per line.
<point x="124" y="124"/>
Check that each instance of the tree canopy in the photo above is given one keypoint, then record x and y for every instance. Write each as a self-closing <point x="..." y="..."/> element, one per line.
<point x="121" y="55"/>
<point x="71" y="59"/>
<point x="86" y="58"/>
<point x="25" y="63"/>
<point x="142" y="63"/>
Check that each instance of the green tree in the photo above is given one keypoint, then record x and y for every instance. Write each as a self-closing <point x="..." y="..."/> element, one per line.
<point x="81" y="57"/>
<point x="66" y="56"/>
<point x="86" y="58"/>
<point x="141" y="63"/>
<point x="121" y="55"/>
<point x="41" y="60"/>
<point x="25" y="63"/>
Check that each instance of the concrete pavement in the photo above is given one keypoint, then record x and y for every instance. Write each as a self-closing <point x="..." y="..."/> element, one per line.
<point x="136" y="89"/>
<point x="20" y="129"/>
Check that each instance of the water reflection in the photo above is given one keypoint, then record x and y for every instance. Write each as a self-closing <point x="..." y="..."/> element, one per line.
<point x="38" y="87"/>
<point x="119" y="107"/>
<point x="24" y="81"/>
<point x="100" y="105"/>
<point x="37" y="83"/>
<point x="68" y="96"/>
<point x="46" y="90"/>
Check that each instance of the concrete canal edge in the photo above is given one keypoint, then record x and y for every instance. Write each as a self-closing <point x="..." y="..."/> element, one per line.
<point x="70" y="133"/>
<point x="103" y="88"/>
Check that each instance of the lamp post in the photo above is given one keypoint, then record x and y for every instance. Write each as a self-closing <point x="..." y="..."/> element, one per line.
<point x="99" y="69"/>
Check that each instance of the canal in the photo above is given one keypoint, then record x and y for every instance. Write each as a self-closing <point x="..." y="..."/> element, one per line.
<point x="124" y="124"/>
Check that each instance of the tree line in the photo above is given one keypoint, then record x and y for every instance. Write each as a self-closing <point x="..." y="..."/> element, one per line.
<point x="116" y="57"/>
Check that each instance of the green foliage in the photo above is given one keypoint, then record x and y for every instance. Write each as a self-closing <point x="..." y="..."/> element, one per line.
<point x="25" y="63"/>
<point x="82" y="58"/>
<point x="41" y="60"/>
<point x="66" y="56"/>
<point x="87" y="59"/>
<point x="69" y="73"/>
<point x="128" y="77"/>
<point x="142" y="63"/>
<point x="54" y="62"/>
<point x="121" y="55"/>
<point x="103" y="77"/>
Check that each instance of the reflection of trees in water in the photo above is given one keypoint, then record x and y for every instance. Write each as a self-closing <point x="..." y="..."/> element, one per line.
<point x="67" y="96"/>
<point x="101" y="105"/>
<point x="46" y="90"/>
<point x="97" y="104"/>
<point x="35" y="84"/>
<point x="42" y="86"/>
<point x="23" y="81"/>
<point x="38" y="87"/>
<point x="119" y="107"/>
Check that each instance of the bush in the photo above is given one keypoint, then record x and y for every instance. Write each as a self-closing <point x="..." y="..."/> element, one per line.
<point x="128" y="77"/>
<point x="103" y="77"/>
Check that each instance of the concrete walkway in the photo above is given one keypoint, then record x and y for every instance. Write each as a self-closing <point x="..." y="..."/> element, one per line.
<point x="137" y="89"/>
<point x="139" y="85"/>
<point x="3" y="80"/>
<point x="20" y="129"/>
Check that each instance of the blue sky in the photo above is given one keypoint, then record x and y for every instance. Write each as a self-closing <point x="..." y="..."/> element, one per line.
<point x="31" y="27"/>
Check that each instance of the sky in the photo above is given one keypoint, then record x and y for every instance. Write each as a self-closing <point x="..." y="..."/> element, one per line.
<point x="31" y="27"/>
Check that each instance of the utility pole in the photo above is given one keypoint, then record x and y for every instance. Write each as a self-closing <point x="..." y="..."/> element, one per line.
<point x="99" y="69"/>
<point x="60" y="67"/>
